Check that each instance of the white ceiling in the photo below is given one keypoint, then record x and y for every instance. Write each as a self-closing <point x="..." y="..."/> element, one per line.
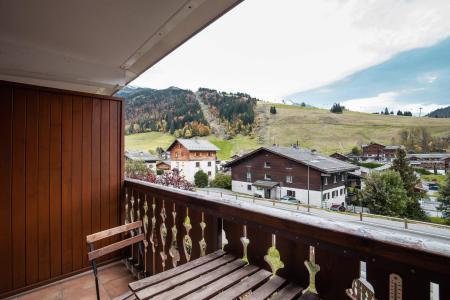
<point x="95" y="46"/>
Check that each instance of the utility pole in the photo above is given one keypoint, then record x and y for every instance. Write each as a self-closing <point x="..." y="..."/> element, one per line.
<point x="420" y="111"/>
<point x="308" y="188"/>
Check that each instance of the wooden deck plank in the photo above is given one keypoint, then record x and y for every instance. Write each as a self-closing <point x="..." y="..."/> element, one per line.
<point x="291" y="291"/>
<point x="140" y="284"/>
<point x="219" y="285"/>
<point x="245" y="285"/>
<point x="267" y="289"/>
<point x="203" y="280"/>
<point x="182" y="278"/>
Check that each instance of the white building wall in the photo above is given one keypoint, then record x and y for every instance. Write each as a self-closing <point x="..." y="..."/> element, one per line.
<point x="188" y="168"/>
<point x="315" y="197"/>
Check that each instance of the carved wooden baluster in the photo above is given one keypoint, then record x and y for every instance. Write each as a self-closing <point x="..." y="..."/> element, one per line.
<point x="163" y="234"/>
<point x="311" y="292"/>
<point x="187" y="241"/>
<point x="173" y="251"/>
<point x="145" y="220"/>
<point x="153" y="237"/>
<point x="126" y="207"/>
<point x="273" y="257"/>
<point x="132" y="207"/>
<point x="138" y="218"/>
<point x="223" y="238"/>
<point x="202" y="242"/>
<point x="131" y="258"/>
<point x="395" y="287"/>
<point x="245" y="241"/>
<point x="361" y="289"/>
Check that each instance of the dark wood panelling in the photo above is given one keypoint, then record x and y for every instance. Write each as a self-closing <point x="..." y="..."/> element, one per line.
<point x="31" y="188"/>
<point x="5" y="188"/>
<point x="43" y="186"/>
<point x="66" y="178"/>
<point x="55" y="184"/>
<point x="60" y="177"/>
<point x="18" y="187"/>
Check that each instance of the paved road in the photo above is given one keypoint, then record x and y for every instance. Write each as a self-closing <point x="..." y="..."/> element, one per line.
<point x="416" y="229"/>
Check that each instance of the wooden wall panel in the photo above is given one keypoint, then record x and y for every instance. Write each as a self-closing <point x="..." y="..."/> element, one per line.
<point x="55" y="184"/>
<point x="43" y="186"/>
<point x="18" y="187"/>
<point x="60" y="178"/>
<point x="5" y="188"/>
<point x="31" y="187"/>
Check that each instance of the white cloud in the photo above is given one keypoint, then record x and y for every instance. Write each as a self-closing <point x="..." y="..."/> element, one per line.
<point x="427" y="78"/>
<point x="274" y="48"/>
<point x="389" y="100"/>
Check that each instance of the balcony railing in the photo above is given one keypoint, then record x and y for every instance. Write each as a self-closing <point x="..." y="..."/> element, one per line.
<point x="181" y="226"/>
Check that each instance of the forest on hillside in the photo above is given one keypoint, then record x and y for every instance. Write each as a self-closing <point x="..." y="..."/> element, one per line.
<point x="440" y="113"/>
<point x="173" y="110"/>
<point x="235" y="111"/>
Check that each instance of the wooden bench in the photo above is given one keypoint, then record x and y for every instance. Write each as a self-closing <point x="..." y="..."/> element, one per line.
<point x="214" y="276"/>
<point x="135" y="230"/>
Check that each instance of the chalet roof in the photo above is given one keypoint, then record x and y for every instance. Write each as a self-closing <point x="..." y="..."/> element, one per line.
<point x="304" y="156"/>
<point x="265" y="183"/>
<point x="429" y="155"/>
<point x="371" y="143"/>
<point x="196" y="145"/>
<point x="392" y="147"/>
<point x="140" y="155"/>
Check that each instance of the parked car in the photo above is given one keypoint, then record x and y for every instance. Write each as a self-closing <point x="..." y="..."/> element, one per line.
<point x="433" y="187"/>
<point x="289" y="198"/>
<point x="337" y="207"/>
<point x="257" y="195"/>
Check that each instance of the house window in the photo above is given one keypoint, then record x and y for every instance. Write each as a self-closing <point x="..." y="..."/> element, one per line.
<point x="209" y="153"/>
<point x="289" y="179"/>
<point x="267" y="165"/>
<point x="209" y="164"/>
<point x="249" y="176"/>
<point x="176" y="154"/>
<point x="342" y="177"/>
<point x="267" y="177"/>
<point x="341" y="192"/>
<point x="197" y="153"/>
<point x="334" y="178"/>
<point x="197" y="164"/>
<point x="249" y="187"/>
<point x="209" y="173"/>
<point x="325" y="181"/>
<point x="291" y="193"/>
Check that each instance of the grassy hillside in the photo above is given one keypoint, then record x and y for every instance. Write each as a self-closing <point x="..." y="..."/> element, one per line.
<point x="328" y="132"/>
<point x="313" y="128"/>
<point x="151" y="140"/>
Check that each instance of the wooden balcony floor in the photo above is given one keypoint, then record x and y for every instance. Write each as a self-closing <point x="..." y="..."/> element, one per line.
<point x="113" y="279"/>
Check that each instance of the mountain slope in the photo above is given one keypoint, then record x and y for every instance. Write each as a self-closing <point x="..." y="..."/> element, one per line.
<point x="440" y="113"/>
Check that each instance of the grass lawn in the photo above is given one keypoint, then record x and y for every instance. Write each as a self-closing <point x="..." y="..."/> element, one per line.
<point x="149" y="141"/>
<point x="439" y="178"/>
<point x="438" y="220"/>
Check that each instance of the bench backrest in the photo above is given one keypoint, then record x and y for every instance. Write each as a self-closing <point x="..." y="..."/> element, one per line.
<point x="90" y="239"/>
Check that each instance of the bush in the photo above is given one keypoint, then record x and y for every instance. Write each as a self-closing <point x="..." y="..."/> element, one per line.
<point x="136" y="168"/>
<point x="422" y="171"/>
<point x="222" y="181"/>
<point x="370" y="165"/>
<point x="201" y="179"/>
<point x="159" y="172"/>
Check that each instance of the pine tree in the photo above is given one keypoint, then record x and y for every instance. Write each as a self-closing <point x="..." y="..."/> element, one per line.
<point x="410" y="180"/>
<point x="444" y="198"/>
<point x="386" y="111"/>
<point x="399" y="113"/>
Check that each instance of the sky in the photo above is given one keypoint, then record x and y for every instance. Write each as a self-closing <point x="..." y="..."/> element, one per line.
<point x="318" y="51"/>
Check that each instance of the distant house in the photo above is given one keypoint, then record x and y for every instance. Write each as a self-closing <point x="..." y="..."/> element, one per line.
<point x="373" y="150"/>
<point x="191" y="155"/>
<point x="340" y="156"/>
<point x="390" y="152"/>
<point x="144" y="156"/>
<point x="431" y="161"/>
<point x="163" y="166"/>
<point x="274" y="172"/>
